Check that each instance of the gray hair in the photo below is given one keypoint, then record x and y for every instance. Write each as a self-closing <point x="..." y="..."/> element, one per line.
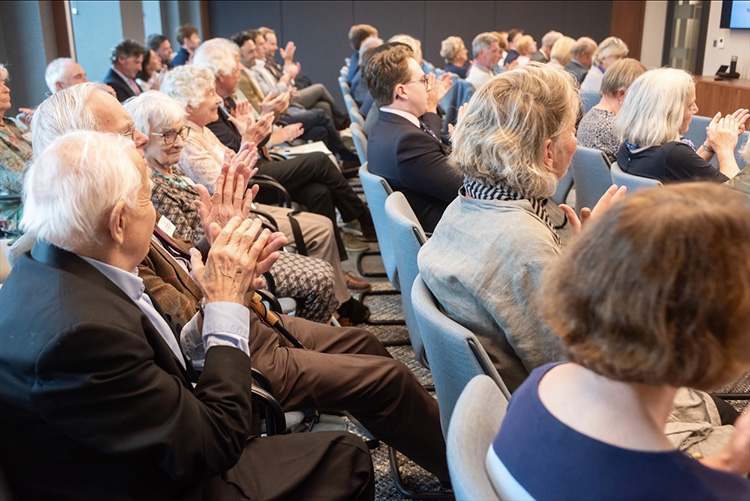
<point x="369" y="43"/>
<point x="62" y="112"/>
<point x="75" y="182"/>
<point x="583" y="45"/>
<point x="483" y="41"/>
<point x="154" y="111"/>
<point x="500" y="140"/>
<point x="654" y="107"/>
<point x="449" y="47"/>
<point x="3" y="73"/>
<point x="55" y="72"/>
<point x="218" y="56"/>
<point x="610" y="46"/>
<point x="188" y="84"/>
<point x="549" y="38"/>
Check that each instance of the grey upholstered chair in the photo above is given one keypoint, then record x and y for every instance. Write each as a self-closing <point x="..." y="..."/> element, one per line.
<point x="407" y="237"/>
<point x="633" y="183"/>
<point x="353" y="110"/>
<point x="344" y="86"/>
<point x="454" y="352"/>
<point x="360" y="141"/>
<point x="591" y="176"/>
<point x="476" y="420"/>
<point x="589" y="100"/>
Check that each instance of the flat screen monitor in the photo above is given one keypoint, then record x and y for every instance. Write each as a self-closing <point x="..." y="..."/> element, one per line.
<point x="735" y="14"/>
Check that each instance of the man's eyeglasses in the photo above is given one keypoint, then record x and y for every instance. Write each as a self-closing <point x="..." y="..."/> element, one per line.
<point x="130" y="133"/>
<point x="171" y="137"/>
<point x="425" y="81"/>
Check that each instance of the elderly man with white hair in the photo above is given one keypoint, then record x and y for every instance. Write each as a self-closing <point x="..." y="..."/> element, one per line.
<point x="98" y="394"/>
<point x="543" y="55"/>
<point x="64" y="72"/>
<point x="486" y="50"/>
<point x="582" y="54"/>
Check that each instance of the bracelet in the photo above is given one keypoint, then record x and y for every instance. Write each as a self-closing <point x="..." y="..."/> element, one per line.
<point x="708" y="148"/>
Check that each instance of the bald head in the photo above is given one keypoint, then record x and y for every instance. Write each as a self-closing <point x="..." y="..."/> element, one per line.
<point x="583" y="51"/>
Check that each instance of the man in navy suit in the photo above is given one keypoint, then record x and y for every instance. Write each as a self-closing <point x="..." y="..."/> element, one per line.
<point x="127" y="60"/>
<point x="404" y="146"/>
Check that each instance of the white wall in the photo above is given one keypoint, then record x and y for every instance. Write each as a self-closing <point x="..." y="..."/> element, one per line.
<point x="736" y="43"/>
<point x="654" y="23"/>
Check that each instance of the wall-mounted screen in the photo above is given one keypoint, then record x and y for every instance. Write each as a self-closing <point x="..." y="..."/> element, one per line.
<point x="735" y="14"/>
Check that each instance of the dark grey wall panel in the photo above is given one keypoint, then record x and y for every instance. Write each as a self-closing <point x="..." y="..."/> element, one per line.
<point x="534" y="17"/>
<point x="227" y="18"/>
<point x="587" y="19"/>
<point x="463" y="19"/>
<point x="391" y="18"/>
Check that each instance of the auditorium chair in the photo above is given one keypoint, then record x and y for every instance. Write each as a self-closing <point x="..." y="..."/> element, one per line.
<point x="631" y="182"/>
<point x="591" y="176"/>
<point x="360" y="141"/>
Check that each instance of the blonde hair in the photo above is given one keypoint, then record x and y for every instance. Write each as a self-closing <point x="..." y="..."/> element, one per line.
<point x="524" y="43"/>
<point x="561" y="50"/>
<point x="654" y="107"/>
<point x="449" y="47"/>
<point x="610" y="46"/>
<point x="501" y="137"/>
<point x="621" y="75"/>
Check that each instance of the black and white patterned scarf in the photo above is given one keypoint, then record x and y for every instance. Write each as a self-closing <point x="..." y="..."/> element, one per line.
<point x="480" y="191"/>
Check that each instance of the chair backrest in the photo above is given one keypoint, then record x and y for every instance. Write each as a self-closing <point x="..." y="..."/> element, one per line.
<point x="344" y="86"/>
<point x="460" y="93"/>
<point x="479" y="413"/>
<point x="591" y="176"/>
<point x="407" y="237"/>
<point x="353" y="110"/>
<point x="589" y="100"/>
<point x="697" y="134"/>
<point x="563" y="188"/>
<point x="360" y="141"/>
<point x="633" y="183"/>
<point x="453" y="351"/>
<point x="376" y="191"/>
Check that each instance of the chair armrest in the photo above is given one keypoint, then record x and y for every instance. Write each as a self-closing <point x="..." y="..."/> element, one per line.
<point x="274" y="414"/>
<point x="284" y="199"/>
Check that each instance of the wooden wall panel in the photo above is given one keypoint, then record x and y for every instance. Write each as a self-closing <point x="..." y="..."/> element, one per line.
<point x="627" y="24"/>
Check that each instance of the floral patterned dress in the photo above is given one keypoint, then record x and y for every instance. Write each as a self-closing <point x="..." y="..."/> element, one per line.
<point x="15" y="154"/>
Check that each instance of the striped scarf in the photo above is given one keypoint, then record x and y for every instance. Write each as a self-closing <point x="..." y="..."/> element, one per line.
<point x="475" y="189"/>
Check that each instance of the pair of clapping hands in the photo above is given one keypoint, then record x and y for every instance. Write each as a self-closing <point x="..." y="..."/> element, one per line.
<point x="253" y="131"/>
<point x="240" y="251"/>
<point x="722" y="132"/>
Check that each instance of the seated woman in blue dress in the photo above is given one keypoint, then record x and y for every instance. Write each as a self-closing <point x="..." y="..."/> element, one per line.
<point x="654" y="295"/>
<point x="455" y="53"/>
<point x="656" y="111"/>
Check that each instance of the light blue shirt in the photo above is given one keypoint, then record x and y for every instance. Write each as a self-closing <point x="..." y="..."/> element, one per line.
<point x="225" y="323"/>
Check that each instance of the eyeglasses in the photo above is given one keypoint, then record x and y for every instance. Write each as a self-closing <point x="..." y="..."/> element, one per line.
<point x="171" y="137"/>
<point x="424" y="81"/>
<point x="130" y="133"/>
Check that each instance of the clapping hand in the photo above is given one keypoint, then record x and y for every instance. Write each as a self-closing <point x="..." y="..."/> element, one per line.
<point x="460" y="114"/>
<point x="243" y="116"/>
<point x="256" y="132"/>
<point x="610" y="197"/>
<point x="288" y="54"/>
<point x="287" y="133"/>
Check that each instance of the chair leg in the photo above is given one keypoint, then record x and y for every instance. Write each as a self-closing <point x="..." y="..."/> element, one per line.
<point x="396" y="474"/>
<point x="362" y="272"/>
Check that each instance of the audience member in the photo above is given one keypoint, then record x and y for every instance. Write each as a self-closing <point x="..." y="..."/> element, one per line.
<point x="341" y="369"/>
<point x="359" y="84"/>
<point x="596" y="129"/>
<point x="652" y="297"/>
<point x="741" y="181"/>
<point x="310" y="179"/>
<point x="560" y="54"/>
<point x="611" y="49"/>
<point x="163" y="48"/>
<point x="582" y="54"/>
<point x="544" y="54"/>
<point x="63" y="72"/>
<point x="187" y="37"/>
<point x="526" y="47"/>
<point x="514" y="36"/>
<point x="502" y="40"/>
<point x="316" y="126"/>
<point x="656" y="111"/>
<point x="152" y="72"/>
<point x="127" y="61"/>
<point x="416" y="47"/>
<point x="308" y="280"/>
<point x="358" y="34"/>
<point x="484" y="260"/>
<point x="486" y="52"/>
<point x="312" y="96"/>
<point x="15" y="153"/>
<point x="455" y="54"/>
<point x="93" y="406"/>
<point x="403" y="146"/>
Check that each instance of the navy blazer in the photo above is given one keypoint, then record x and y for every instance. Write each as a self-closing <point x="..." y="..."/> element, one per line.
<point x="413" y="162"/>
<point x="182" y="57"/>
<point x="122" y="89"/>
<point x="95" y="402"/>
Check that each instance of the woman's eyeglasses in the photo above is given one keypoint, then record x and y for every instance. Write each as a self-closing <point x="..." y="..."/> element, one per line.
<point x="171" y="137"/>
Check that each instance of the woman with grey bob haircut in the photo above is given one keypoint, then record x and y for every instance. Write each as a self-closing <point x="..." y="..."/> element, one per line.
<point x="487" y="253"/>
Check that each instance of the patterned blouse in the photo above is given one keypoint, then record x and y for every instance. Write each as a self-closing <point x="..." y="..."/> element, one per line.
<point x="174" y="199"/>
<point x="596" y="130"/>
<point x="202" y="157"/>
<point x="15" y="153"/>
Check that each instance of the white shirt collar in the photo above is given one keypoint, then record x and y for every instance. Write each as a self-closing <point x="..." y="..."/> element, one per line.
<point x="129" y="281"/>
<point x="404" y="114"/>
<point x="122" y="75"/>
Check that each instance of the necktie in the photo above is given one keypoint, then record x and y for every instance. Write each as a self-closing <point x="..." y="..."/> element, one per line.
<point x="230" y="106"/>
<point x="424" y="127"/>
<point x="134" y="86"/>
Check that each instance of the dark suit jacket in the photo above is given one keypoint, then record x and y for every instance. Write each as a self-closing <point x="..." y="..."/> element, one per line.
<point x="577" y="69"/>
<point x="413" y="162"/>
<point x="122" y="89"/>
<point x="181" y="57"/>
<point x="95" y="404"/>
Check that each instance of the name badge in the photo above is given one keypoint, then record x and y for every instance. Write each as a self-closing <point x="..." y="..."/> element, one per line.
<point x="166" y="226"/>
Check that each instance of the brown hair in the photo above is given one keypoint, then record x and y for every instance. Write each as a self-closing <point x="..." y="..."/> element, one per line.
<point x="359" y="32"/>
<point x="185" y="31"/>
<point x="621" y="75"/>
<point x="657" y="290"/>
<point x="387" y="67"/>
